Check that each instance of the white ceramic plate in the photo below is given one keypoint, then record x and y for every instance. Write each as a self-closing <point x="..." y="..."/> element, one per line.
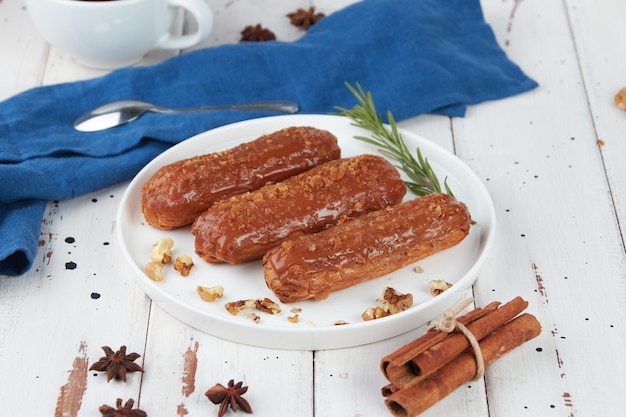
<point x="316" y="329"/>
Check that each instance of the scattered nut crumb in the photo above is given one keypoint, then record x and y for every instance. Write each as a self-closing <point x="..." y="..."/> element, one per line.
<point x="392" y="302"/>
<point x="620" y="99"/>
<point x="437" y="286"/>
<point x="268" y="306"/>
<point x="600" y="142"/>
<point x="210" y="293"/>
<point x="418" y="269"/>
<point x="296" y="310"/>
<point x="373" y="313"/>
<point x="234" y="307"/>
<point x="293" y="319"/>
<point x="183" y="264"/>
<point x="262" y="304"/>
<point x="340" y="322"/>
<point x="154" y="270"/>
<point x="254" y="317"/>
<point x="162" y="251"/>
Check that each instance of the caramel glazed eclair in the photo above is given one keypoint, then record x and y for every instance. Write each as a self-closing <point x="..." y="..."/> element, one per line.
<point x="242" y="228"/>
<point x="369" y="246"/>
<point x="177" y="193"/>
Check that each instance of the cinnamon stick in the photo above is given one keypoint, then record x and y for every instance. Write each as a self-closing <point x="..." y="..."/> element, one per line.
<point x="418" y="397"/>
<point x="398" y="367"/>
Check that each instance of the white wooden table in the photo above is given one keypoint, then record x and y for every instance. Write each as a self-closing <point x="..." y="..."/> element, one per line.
<point x="552" y="159"/>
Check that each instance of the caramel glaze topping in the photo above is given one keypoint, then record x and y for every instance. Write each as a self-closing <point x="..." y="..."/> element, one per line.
<point x="177" y="193"/>
<point x="369" y="246"/>
<point x="244" y="227"/>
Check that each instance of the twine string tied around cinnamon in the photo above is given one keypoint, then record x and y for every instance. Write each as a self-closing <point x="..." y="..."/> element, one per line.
<point x="449" y="323"/>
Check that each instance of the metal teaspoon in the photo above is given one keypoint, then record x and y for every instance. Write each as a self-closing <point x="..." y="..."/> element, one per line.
<point x="122" y="112"/>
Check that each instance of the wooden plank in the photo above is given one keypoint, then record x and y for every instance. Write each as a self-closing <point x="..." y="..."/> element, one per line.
<point x="598" y="41"/>
<point x="348" y="381"/>
<point x="559" y="245"/>
<point x="79" y="296"/>
<point x="20" y="41"/>
<point x="183" y="363"/>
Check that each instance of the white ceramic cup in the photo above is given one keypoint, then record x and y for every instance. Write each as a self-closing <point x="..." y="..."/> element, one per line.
<point x="116" y="33"/>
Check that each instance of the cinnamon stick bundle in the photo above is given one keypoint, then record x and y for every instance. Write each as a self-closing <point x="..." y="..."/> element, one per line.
<point x="422" y="372"/>
<point x="433" y="350"/>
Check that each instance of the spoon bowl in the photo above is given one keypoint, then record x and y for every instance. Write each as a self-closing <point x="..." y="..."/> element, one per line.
<point x="121" y="112"/>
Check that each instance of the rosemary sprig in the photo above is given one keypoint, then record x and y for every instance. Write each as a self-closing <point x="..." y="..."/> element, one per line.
<point x="422" y="178"/>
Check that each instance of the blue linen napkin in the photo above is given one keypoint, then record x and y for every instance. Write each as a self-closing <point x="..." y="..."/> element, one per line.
<point x="415" y="56"/>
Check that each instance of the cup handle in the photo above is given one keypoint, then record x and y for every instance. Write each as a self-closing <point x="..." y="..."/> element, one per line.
<point x="204" y="20"/>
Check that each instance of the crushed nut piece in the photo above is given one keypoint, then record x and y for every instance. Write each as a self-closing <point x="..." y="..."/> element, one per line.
<point x="162" y="251"/>
<point x="418" y="269"/>
<point x="293" y="319"/>
<point x="210" y="293"/>
<point x="262" y="304"/>
<point x="341" y="322"/>
<point x="296" y="310"/>
<point x="392" y="302"/>
<point x="254" y="317"/>
<point x="234" y="307"/>
<point x="373" y="313"/>
<point x="437" y="286"/>
<point x="267" y="305"/>
<point x="620" y="99"/>
<point x="183" y="264"/>
<point x="154" y="270"/>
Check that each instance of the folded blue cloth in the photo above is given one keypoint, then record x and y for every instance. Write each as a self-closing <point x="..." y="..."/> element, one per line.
<point x="415" y="56"/>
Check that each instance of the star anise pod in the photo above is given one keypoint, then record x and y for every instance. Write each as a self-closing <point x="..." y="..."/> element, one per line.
<point x="256" y="33"/>
<point x="117" y="364"/>
<point x="305" y="18"/>
<point x="119" y="411"/>
<point x="230" y="395"/>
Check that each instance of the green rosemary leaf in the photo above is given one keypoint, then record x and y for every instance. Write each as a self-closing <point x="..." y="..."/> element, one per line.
<point x="422" y="179"/>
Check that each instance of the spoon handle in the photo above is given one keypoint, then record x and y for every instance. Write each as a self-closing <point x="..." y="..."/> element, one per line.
<point x="281" y="106"/>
